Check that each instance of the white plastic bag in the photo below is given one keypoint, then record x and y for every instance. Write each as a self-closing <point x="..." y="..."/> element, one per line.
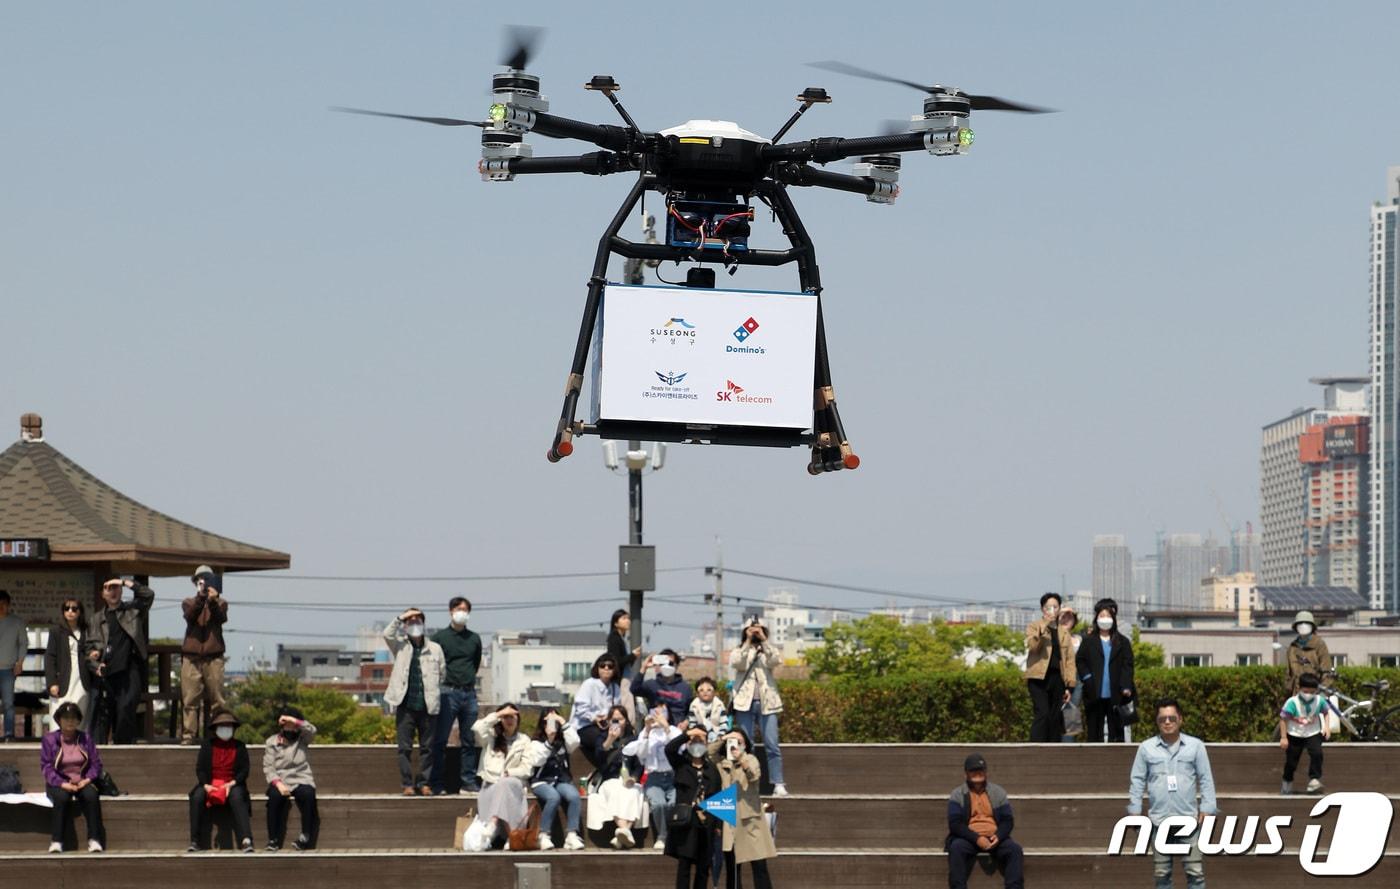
<point x="477" y="838"/>
<point x="1334" y="722"/>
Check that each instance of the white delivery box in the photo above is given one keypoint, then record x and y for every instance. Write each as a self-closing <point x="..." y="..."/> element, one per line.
<point x="705" y="357"/>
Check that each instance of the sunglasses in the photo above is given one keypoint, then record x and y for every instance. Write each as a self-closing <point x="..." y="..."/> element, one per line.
<point x="72" y="608"/>
<point x="1167" y="719"/>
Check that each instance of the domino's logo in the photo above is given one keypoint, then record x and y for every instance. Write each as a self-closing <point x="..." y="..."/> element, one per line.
<point x="746" y="330"/>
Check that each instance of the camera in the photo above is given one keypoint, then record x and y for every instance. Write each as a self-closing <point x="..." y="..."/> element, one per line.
<point x="735" y="748"/>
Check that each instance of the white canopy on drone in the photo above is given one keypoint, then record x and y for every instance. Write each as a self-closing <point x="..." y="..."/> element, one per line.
<point x="722" y="129"/>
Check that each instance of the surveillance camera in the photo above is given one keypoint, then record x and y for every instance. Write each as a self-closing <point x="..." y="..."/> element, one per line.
<point x="637" y="459"/>
<point x="610" y="454"/>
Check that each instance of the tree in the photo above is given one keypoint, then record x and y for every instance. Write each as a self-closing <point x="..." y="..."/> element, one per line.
<point x="879" y="645"/>
<point x="338" y="717"/>
<point x="1147" y="654"/>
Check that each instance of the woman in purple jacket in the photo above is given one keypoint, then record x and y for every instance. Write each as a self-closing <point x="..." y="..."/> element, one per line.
<point x="71" y="765"/>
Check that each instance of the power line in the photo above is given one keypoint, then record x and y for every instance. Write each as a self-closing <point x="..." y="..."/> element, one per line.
<point x="477" y="578"/>
<point x="877" y="591"/>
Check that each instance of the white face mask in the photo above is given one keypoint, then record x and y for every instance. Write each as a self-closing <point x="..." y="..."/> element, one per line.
<point x="1305" y="629"/>
<point x="696" y="749"/>
<point x="224" y="732"/>
<point x="415" y="630"/>
<point x="668" y="670"/>
<point x="1307" y="696"/>
<point x="459" y="617"/>
<point x="1105" y="623"/>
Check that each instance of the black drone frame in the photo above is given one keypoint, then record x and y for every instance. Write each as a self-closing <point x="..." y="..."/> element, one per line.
<point x="780" y="166"/>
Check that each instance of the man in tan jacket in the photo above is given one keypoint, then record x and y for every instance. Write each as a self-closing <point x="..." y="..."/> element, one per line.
<point x="1049" y="670"/>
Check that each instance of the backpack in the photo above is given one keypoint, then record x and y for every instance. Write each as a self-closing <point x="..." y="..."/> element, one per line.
<point x="9" y="780"/>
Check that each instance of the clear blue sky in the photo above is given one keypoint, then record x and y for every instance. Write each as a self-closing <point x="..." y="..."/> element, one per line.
<point x="322" y="333"/>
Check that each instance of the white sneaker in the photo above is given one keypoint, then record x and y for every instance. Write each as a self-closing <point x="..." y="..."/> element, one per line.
<point x="545" y="842"/>
<point x="1314" y="785"/>
<point x="780" y="790"/>
<point x="94" y="846"/>
<point x="625" y="837"/>
<point x="55" y="847"/>
<point x="659" y="845"/>
<point x="573" y="842"/>
<point x="616" y="841"/>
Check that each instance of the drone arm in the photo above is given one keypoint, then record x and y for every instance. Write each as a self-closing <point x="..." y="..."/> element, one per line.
<point x="801" y="174"/>
<point x="602" y="135"/>
<point x="834" y="149"/>
<point x="596" y="163"/>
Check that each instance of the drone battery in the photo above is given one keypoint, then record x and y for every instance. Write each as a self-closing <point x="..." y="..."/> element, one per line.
<point x="709" y="225"/>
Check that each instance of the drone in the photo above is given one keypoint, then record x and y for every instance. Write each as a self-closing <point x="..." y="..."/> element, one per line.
<point x="709" y="173"/>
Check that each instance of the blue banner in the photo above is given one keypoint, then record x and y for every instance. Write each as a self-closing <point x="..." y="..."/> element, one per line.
<point x="724" y="805"/>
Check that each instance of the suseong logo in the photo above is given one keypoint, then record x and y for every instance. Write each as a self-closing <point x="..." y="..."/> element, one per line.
<point x="733" y="392"/>
<point x="1358" y="842"/>
<point x="676" y="330"/>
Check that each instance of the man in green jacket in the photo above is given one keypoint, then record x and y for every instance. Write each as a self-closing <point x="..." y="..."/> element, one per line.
<point x="462" y="649"/>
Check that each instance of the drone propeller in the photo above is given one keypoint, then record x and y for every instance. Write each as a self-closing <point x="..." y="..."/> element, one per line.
<point x="440" y="121"/>
<point x="521" y="43"/>
<point x="979" y="103"/>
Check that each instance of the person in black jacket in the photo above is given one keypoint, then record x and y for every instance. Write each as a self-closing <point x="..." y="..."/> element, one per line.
<point x="617" y="643"/>
<point x="66" y="674"/>
<point x="1105" y="668"/>
<point x="980" y="820"/>
<point x="222" y="769"/>
<point x="692" y="834"/>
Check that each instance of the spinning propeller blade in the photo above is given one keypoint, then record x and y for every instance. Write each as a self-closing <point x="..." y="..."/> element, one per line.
<point x="979" y="103"/>
<point x="440" y="121"/>
<point x="521" y="43"/>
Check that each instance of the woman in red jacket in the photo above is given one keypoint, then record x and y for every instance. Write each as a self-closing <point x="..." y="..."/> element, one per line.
<point x="222" y="770"/>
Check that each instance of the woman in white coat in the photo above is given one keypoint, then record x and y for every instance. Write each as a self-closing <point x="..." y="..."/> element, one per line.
<point x="506" y="764"/>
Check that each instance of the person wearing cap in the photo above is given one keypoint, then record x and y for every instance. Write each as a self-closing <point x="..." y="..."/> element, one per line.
<point x="221" y="767"/>
<point x="116" y="650"/>
<point x="414" y="693"/>
<point x="202" y="652"/>
<point x="14" y="645"/>
<point x="1308" y="652"/>
<point x="980" y="820"/>
<point x="287" y="768"/>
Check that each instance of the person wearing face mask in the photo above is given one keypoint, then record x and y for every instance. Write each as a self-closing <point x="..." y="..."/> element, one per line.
<point x="1303" y="726"/>
<point x="619" y="797"/>
<point x="414" y="693"/>
<point x="202" y="652"/>
<point x="457" y="702"/>
<point x="691" y="833"/>
<point x="1308" y="652"/>
<point x="116" y="651"/>
<point x="1049" y="672"/>
<point x="1105" y="666"/>
<point x="980" y="820"/>
<point x="750" y="841"/>
<point x="221" y="767"/>
<point x="668" y="687"/>
<point x="650" y="748"/>
<point x="552" y="781"/>
<point x="757" y="703"/>
<point x="287" y="768"/>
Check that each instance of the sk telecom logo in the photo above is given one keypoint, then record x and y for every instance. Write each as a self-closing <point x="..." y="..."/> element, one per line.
<point x="746" y="330"/>
<point x="1357" y="844"/>
<point x="728" y="392"/>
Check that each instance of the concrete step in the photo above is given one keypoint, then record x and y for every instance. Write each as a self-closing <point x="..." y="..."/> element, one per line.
<point x="931" y="769"/>
<point x="1043" y="822"/>
<point x="884" y="868"/>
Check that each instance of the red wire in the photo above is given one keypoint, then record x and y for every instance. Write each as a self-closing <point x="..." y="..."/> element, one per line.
<point x="681" y="219"/>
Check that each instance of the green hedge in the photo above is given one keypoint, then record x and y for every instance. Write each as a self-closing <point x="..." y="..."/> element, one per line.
<point x="988" y="705"/>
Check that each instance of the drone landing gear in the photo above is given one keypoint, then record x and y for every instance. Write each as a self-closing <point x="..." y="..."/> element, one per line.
<point x="831" y="451"/>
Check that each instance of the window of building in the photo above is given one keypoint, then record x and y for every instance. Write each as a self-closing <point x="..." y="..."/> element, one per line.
<point x="378" y="673"/>
<point x="576" y="672"/>
<point x="1248" y="660"/>
<point x="534" y="668"/>
<point x="1339" y="660"/>
<point x="296" y="660"/>
<point x="320" y="661"/>
<point x="1385" y="660"/>
<point x="1191" y="660"/>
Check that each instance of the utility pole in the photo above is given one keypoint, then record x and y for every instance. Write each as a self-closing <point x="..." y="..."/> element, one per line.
<point x="634" y="536"/>
<point x="721" y="664"/>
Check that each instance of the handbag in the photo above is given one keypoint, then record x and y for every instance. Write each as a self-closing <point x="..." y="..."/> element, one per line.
<point x="527" y="838"/>
<point x="680" y="818"/>
<point x="1127" y="712"/>
<point x="106" y="784"/>
<point x="9" y="780"/>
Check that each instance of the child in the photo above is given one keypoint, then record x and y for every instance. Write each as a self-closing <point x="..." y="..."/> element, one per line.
<point x="1303" y="723"/>
<point x="709" y="712"/>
